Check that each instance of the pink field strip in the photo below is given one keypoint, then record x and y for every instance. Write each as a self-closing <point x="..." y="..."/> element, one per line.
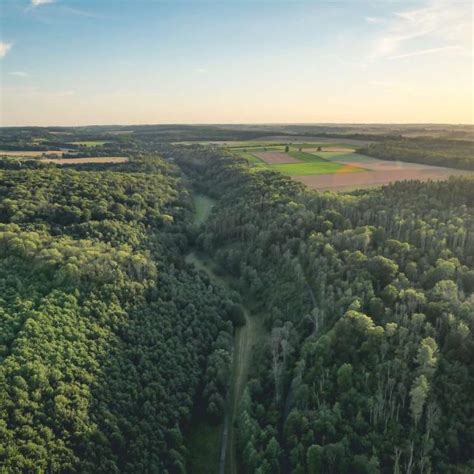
<point x="339" y="182"/>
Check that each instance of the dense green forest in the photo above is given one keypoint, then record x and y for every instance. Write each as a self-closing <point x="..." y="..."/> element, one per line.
<point x="107" y="336"/>
<point x="369" y="306"/>
<point x="427" y="151"/>
<point x="112" y="344"/>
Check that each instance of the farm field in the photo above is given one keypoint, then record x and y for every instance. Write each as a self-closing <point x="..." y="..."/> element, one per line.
<point x="377" y="164"/>
<point x="29" y="154"/>
<point x="337" y="167"/>
<point x="275" y="157"/>
<point x="344" y="182"/>
<point x="295" y="162"/>
<point x="90" y="159"/>
<point x="316" y="168"/>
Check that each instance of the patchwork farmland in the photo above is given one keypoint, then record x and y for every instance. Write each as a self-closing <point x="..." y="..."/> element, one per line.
<point x="335" y="167"/>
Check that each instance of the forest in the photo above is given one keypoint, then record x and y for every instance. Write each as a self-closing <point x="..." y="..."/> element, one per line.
<point x="107" y="335"/>
<point x="369" y="308"/>
<point x="427" y="151"/>
<point x="113" y="343"/>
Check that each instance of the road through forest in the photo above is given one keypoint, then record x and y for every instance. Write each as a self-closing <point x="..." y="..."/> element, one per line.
<point x="245" y="339"/>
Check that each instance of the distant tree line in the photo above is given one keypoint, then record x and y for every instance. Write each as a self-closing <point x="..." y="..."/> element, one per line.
<point x="428" y="151"/>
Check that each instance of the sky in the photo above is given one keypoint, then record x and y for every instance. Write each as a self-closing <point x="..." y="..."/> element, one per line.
<point x="83" y="62"/>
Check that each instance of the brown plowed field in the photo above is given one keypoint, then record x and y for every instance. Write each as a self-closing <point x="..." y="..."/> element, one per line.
<point x="275" y="157"/>
<point x="30" y="153"/>
<point x="344" y="181"/>
<point x="79" y="161"/>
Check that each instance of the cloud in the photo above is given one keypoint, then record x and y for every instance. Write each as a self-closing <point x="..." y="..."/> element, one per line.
<point x="78" y="12"/>
<point x="441" y="25"/>
<point x="451" y="49"/>
<point x="37" y="3"/>
<point x="18" y="74"/>
<point x="372" y="19"/>
<point x="4" y="48"/>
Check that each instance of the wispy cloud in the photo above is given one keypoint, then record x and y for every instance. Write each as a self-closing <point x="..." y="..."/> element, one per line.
<point x="423" y="52"/>
<point x="37" y="3"/>
<point x="78" y="12"/>
<point x="18" y="74"/>
<point x="437" y="26"/>
<point x="373" y="19"/>
<point x="63" y="9"/>
<point x="4" y="48"/>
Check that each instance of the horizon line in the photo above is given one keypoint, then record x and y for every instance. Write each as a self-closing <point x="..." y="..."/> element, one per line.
<point x="196" y="124"/>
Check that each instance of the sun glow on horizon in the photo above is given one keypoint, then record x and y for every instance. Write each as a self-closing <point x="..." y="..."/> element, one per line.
<point x="82" y="62"/>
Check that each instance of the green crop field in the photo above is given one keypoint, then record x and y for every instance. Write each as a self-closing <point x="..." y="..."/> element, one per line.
<point x="314" y="168"/>
<point x="309" y="163"/>
<point x="251" y="158"/>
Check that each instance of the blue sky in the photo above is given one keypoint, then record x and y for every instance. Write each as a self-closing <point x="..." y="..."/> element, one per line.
<point x="105" y="61"/>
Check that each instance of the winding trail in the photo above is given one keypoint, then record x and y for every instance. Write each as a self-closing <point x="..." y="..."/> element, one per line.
<point x="245" y="339"/>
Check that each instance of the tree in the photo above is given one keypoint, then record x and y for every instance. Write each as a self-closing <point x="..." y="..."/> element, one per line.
<point x="344" y="376"/>
<point x="382" y="269"/>
<point x="237" y="315"/>
<point x="418" y="396"/>
<point x="314" y="459"/>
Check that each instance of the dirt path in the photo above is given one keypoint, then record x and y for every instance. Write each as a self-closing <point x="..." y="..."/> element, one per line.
<point x="246" y="337"/>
